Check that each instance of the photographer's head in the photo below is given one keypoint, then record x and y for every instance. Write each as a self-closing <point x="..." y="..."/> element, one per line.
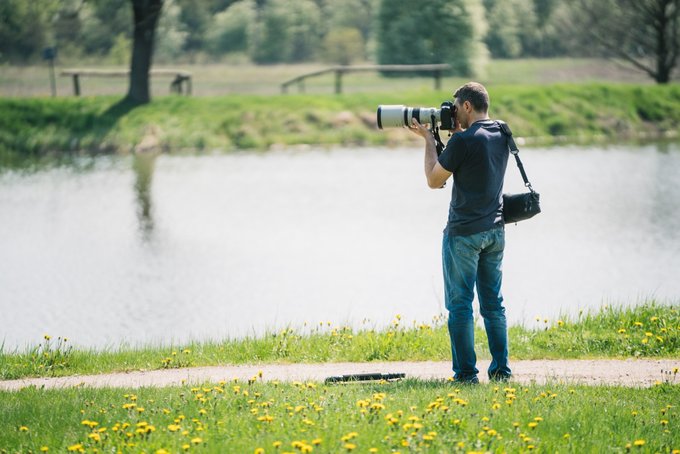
<point x="472" y="104"/>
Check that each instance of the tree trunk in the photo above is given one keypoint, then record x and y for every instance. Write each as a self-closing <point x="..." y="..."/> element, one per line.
<point x="145" y="17"/>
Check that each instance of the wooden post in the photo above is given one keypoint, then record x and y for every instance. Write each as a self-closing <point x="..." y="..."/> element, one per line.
<point x="338" y="81"/>
<point x="189" y="87"/>
<point x="301" y="86"/>
<point x="437" y="79"/>
<point x="76" y="84"/>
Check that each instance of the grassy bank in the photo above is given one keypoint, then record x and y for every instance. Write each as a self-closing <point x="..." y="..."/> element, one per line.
<point x="544" y="114"/>
<point x="404" y="417"/>
<point x="647" y="330"/>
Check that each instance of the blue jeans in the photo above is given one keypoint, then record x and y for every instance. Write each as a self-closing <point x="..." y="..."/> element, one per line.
<point x="468" y="261"/>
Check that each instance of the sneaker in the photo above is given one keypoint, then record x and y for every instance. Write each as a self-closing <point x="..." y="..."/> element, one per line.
<point x="473" y="380"/>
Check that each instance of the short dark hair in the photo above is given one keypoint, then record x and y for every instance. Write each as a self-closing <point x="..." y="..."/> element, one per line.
<point x="476" y="94"/>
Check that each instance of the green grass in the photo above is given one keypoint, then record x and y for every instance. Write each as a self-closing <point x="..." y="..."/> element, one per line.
<point x="649" y="330"/>
<point x="544" y="114"/>
<point x="218" y="79"/>
<point x="407" y="417"/>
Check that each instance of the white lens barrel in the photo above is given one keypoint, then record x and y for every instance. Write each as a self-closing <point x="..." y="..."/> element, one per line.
<point x="399" y="116"/>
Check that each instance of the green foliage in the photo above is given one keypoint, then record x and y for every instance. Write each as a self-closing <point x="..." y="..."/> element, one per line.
<point x="343" y="45"/>
<point x="524" y="28"/>
<point x="171" y="35"/>
<point x="285" y="31"/>
<point x="100" y="23"/>
<point x="50" y="357"/>
<point x="24" y="28"/>
<point x="121" y="51"/>
<point x="438" y="31"/>
<point x="230" y="30"/>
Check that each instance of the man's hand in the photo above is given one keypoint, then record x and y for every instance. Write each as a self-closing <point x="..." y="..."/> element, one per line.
<point x="436" y="175"/>
<point x="421" y="130"/>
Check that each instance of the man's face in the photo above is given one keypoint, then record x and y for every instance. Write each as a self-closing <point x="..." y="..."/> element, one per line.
<point x="462" y="114"/>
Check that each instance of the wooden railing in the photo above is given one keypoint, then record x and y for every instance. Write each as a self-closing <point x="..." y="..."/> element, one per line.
<point x="435" y="69"/>
<point x="180" y="84"/>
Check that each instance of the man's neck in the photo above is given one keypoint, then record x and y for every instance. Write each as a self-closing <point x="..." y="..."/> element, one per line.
<point x="475" y="117"/>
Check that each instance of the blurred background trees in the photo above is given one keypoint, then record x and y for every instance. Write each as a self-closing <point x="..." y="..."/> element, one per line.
<point x="643" y="33"/>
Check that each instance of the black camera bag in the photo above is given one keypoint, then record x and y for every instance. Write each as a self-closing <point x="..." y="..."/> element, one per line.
<point x="518" y="207"/>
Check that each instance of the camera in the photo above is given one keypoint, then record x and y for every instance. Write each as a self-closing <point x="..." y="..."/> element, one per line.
<point x="395" y="116"/>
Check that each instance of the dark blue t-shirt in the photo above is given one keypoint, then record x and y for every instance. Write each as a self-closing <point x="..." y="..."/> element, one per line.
<point x="477" y="157"/>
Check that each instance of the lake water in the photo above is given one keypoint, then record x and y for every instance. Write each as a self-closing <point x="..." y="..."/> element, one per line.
<point x="144" y="250"/>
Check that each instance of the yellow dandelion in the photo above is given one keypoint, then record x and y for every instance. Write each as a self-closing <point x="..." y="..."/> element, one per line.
<point x="197" y="440"/>
<point x="23" y="429"/>
<point x="349" y="446"/>
<point x="639" y="443"/>
<point x="532" y="425"/>
<point x="95" y="436"/>
<point x="259" y="451"/>
<point x="76" y="448"/>
<point x="277" y="444"/>
<point x="162" y="451"/>
<point x="174" y="427"/>
<point x="44" y="449"/>
<point x="316" y="441"/>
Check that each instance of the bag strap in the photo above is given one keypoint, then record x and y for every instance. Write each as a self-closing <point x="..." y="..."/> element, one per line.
<point x="515" y="152"/>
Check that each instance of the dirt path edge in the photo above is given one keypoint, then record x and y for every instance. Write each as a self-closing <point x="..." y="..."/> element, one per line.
<point x="629" y="372"/>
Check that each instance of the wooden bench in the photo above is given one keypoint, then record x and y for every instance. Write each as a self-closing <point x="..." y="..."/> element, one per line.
<point x="435" y="69"/>
<point x="180" y="84"/>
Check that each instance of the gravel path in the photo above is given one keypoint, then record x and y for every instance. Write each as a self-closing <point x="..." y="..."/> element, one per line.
<point x="640" y="372"/>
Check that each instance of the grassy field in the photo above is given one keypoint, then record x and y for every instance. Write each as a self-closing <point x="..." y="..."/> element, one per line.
<point x="647" y="330"/>
<point x="404" y="417"/>
<point x="541" y="114"/>
<point x="242" y="78"/>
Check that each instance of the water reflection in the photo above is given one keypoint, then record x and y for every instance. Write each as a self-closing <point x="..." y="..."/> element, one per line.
<point x="143" y="165"/>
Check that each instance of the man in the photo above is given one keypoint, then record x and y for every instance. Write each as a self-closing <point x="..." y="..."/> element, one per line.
<point x="474" y="238"/>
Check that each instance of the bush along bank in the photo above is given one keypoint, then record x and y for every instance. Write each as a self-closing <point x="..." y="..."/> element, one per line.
<point x="541" y="114"/>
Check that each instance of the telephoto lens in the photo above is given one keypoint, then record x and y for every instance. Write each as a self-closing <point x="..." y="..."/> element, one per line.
<point x="399" y="116"/>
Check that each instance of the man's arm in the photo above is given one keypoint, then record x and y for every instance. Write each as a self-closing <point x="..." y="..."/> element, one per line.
<point x="434" y="172"/>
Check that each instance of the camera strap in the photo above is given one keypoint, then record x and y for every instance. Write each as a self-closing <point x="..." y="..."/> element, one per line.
<point x="435" y="133"/>
<point x="515" y="152"/>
